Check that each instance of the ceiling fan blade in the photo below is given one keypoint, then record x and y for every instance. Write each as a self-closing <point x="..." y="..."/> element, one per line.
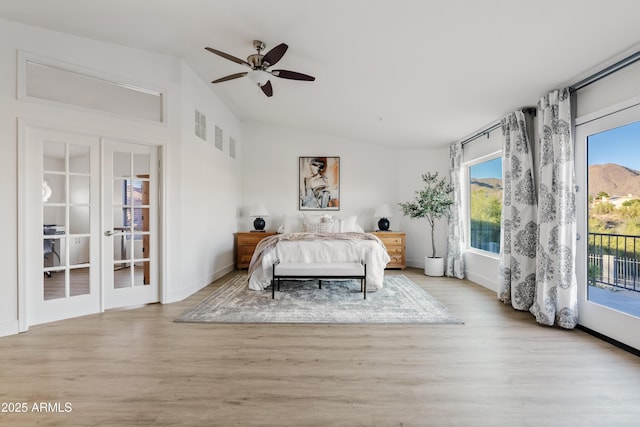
<point x="227" y="56"/>
<point x="267" y="89"/>
<point x="275" y="54"/>
<point x="286" y="74"/>
<point x="230" y="77"/>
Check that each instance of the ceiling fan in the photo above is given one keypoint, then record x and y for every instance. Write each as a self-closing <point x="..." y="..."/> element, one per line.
<point x="259" y="65"/>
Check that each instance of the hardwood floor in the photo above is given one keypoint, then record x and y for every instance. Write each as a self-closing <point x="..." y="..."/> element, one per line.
<point x="137" y="367"/>
<point x="54" y="285"/>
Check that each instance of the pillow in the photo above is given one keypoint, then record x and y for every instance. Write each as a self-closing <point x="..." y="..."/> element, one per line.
<point x="348" y="225"/>
<point x="311" y="227"/>
<point x="292" y="224"/>
<point x="316" y="218"/>
<point x="329" y="226"/>
<point x="326" y="226"/>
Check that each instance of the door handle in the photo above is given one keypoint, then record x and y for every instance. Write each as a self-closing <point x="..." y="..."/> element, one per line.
<point x="109" y="233"/>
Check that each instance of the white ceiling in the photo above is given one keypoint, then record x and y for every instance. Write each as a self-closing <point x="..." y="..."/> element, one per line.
<point x="400" y="73"/>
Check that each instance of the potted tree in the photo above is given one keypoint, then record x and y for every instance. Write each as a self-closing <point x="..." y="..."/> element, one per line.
<point x="432" y="203"/>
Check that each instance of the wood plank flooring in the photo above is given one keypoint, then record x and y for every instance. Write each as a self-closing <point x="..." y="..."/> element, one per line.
<point x="137" y="367"/>
<point x="54" y="285"/>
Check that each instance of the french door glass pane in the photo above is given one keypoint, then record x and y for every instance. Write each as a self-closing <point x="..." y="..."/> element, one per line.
<point x="79" y="281"/>
<point x="53" y="156"/>
<point x="79" y="220"/>
<point x="141" y="222"/>
<point x="79" y="159"/>
<point x="121" y="164"/>
<point x="57" y="188"/>
<point x="79" y="189"/>
<point x="53" y="251"/>
<point x="141" y="275"/>
<point x="54" y="285"/>
<point x="613" y="249"/>
<point x="141" y="164"/>
<point x="54" y="216"/>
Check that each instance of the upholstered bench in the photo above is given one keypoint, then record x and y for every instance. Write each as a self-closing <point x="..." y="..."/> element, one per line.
<point x="320" y="271"/>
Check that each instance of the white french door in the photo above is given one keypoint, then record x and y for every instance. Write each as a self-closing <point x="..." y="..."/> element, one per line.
<point x="62" y="199"/>
<point x="129" y="253"/>
<point x="88" y="225"/>
<point x="608" y="252"/>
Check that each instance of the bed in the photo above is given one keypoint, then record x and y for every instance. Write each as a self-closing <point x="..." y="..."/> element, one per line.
<point x="318" y="247"/>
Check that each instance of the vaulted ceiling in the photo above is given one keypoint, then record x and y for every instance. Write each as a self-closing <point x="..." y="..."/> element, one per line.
<point x="400" y="73"/>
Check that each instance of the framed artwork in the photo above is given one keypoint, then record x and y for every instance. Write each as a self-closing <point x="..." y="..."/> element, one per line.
<point x="319" y="184"/>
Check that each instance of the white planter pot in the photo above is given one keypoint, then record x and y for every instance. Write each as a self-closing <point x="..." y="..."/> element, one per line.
<point x="433" y="266"/>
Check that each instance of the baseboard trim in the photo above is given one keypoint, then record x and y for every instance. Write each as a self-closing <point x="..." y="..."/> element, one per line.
<point x="610" y="340"/>
<point x="482" y="281"/>
<point x="181" y="294"/>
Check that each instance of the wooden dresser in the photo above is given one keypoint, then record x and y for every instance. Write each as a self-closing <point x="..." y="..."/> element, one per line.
<point x="395" y="243"/>
<point x="245" y="245"/>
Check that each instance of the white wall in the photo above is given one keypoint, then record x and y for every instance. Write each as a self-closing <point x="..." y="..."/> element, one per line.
<point x="411" y="165"/>
<point x="195" y="195"/>
<point x="370" y="176"/>
<point x="270" y="173"/>
<point x="210" y="182"/>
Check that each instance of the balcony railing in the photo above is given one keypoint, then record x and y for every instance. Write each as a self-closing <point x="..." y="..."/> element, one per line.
<point x="614" y="260"/>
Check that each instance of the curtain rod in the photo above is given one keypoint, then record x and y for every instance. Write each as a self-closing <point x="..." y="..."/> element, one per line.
<point x="625" y="62"/>
<point x="635" y="57"/>
<point x="490" y="128"/>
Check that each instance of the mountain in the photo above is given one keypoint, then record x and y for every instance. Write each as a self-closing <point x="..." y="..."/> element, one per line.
<point x="613" y="179"/>
<point x="490" y="184"/>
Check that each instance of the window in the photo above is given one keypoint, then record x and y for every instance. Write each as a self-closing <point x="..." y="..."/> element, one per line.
<point x="485" y="204"/>
<point x="49" y="81"/>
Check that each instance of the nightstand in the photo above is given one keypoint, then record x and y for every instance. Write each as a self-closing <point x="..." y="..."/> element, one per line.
<point x="245" y="245"/>
<point x="395" y="244"/>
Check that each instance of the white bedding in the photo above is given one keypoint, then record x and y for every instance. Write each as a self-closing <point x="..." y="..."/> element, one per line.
<point x="371" y="251"/>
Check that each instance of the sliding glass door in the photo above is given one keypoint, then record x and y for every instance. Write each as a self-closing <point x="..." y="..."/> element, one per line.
<point x="608" y="264"/>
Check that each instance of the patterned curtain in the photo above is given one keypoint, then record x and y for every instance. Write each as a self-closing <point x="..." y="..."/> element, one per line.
<point x="557" y="289"/>
<point x="455" y="256"/>
<point x="518" y="235"/>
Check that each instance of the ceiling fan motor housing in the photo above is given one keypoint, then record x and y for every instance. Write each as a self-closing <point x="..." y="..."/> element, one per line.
<point x="255" y="60"/>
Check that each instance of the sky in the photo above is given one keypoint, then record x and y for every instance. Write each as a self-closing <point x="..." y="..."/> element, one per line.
<point x="488" y="169"/>
<point x="620" y="145"/>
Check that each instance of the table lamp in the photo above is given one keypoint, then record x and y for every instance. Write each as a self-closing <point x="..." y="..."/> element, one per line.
<point x="259" y="212"/>
<point x="384" y="213"/>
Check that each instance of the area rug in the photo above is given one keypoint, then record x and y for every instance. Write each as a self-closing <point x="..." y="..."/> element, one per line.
<point x="400" y="301"/>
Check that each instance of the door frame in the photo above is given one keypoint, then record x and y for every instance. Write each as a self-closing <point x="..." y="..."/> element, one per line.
<point x="23" y="124"/>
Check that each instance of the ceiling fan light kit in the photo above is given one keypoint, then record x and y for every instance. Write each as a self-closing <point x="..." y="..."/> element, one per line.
<point x="259" y="77"/>
<point x="259" y="64"/>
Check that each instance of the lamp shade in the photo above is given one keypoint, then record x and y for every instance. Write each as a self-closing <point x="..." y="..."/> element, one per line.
<point x="259" y="77"/>
<point x="259" y="211"/>
<point x="383" y="211"/>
